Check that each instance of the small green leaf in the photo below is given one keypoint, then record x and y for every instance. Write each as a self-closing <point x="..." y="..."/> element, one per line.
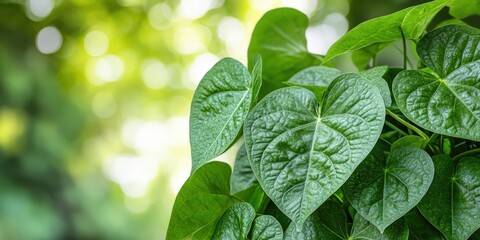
<point x="446" y="104"/>
<point x="219" y="107"/>
<point x="362" y="57"/>
<point x="384" y="189"/>
<point x="202" y="200"/>
<point x="302" y="152"/>
<point x="362" y="229"/>
<point x="410" y="140"/>
<point x="374" y="76"/>
<point x="279" y="37"/>
<point x="419" y="228"/>
<point x="452" y="204"/>
<point x="315" y="79"/>
<point x="328" y="222"/>
<point x="235" y="222"/>
<point x="257" y="76"/>
<point x="242" y="176"/>
<point x="464" y="8"/>
<point x="266" y="227"/>
<point x="412" y="21"/>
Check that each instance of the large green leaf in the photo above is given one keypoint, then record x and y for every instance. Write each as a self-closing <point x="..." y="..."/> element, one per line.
<point x="219" y="107"/>
<point x="362" y="229"/>
<point x="279" y="37"/>
<point x="447" y="102"/>
<point x="452" y="204"/>
<point x="302" y="152"/>
<point x="202" y="200"/>
<point x="384" y="189"/>
<point x="464" y="8"/>
<point x="235" y="222"/>
<point x="266" y="227"/>
<point x="242" y="176"/>
<point x="412" y="21"/>
<point x="315" y="79"/>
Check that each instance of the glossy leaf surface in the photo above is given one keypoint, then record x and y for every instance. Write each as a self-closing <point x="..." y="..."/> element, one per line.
<point x="302" y="152"/>
<point x="452" y="204"/>
<point x="266" y="227"/>
<point x="235" y="222"/>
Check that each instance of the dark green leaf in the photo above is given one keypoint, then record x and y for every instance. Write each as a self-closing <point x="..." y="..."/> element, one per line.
<point x="301" y="152"/>
<point x="419" y="228"/>
<point x="315" y="79"/>
<point x="219" y="107"/>
<point x="410" y="140"/>
<point x="273" y="210"/>
<point x="279" y="37"/>
<point x="452" y="204"/>
<point x="235" y="222"/>
<point x="384" y="189"/>
<point x="255" y="196"/>
<point x="242" y="176"/>
<point x="362" y="229"/>
<point x="266" y="227"/>
<point x="374" y="76"/>
<point x="412" y="21"/>
<point x="202" y="200"/>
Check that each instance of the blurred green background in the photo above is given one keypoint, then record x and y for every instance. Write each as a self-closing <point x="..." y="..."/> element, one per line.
<point x="94" y="103"/>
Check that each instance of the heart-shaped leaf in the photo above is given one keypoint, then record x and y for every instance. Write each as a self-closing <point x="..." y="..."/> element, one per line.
<point x="447" y="102"/>
<point x="242" y="176"/>
<point x="452" y="204"/>
<point x="315" y="79"/>
<point x="384" y="189"/>
<point x="207" y="194"/>
<point x="302" y="152"/>
<point x="219" y="107"/>
<point x="266" y="227"/>
<point x="280" y="34"/>
<point x="235" y="222"/>
<point x="412" y="21"/>
<point x="362" y="229"/>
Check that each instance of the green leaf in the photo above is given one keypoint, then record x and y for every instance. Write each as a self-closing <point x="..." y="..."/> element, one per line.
<point x="374" y="76"/>
<point x="202" y="200"/>
<point x="446" y="104"/>
<point x="328" y="222"/>
<point x="266" y="227"/>
<point x="255" y="196"/>
<point x="452" y="204"/>
<point x="235" y="222"/>
<point x="280" y="34"/>
<point x="242" y="176"/>
<point x="362" y="229"/>
<point x="419" y="228"/>
<point x="219" y="107"/>
<point x="384" y="189"/>
<point x="410" y="140"/>
<point x="257" y="76"/>
<point x="412" y="21"/>
<point x="315" y="79"/>
<point x="302" y="152"/>
<point x="362" y="57"/>
<point x="464" y="8"/>
<point x="273" y="210"/>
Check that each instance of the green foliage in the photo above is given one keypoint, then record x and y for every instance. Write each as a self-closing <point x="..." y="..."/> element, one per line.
<point x="336" y="154"/>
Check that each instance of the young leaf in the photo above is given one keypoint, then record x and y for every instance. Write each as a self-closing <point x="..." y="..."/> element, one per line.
<point x="301" y="152"/>
<point x="266" y="227"/>
<point x="219" y="107"/>
<point x="446" y="104"/>
<point x="242" y="176"/>
<point x="315" y="79"/>
<point x="412" y="21"/>
<point x="280" y="34"/>
<point x="362" y="229"/>
<point x="452" y="204"/>
<point x="202" y="200"/>
<point x="384" y="189"/>
<point x="328" y="222"/>
<point x="235" y="222"/>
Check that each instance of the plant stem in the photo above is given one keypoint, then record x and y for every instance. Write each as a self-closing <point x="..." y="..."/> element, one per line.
<point x="466" y="153"/>
<point x="408" y="125"/>
<point x="431" y="139"/>
<point x="390" y="125"/>
<point x="404" y="49"/>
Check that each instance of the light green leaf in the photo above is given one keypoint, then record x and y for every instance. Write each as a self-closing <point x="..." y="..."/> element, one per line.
<point x="374" y="76"/>
<point x="362" y="229"/>
<point x="452" y="204"/>
<point x="329" y="222"/>
<point x="202" y="200"/>
<point x="419" y="228"/>
<point x="280" y="34"/>
<point x="315" y="79"/>
<point x="235" y="222"/>
<point x="302" y="152"/>
<point x="242" y="176"/>
<point x="449" y="103"/>
<point x="412" y="21"/>
<point x="219" y="107"/>
<point x="464" y="8"/>
<point x="384" y="189"/>
<point x="266" y="227"/>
